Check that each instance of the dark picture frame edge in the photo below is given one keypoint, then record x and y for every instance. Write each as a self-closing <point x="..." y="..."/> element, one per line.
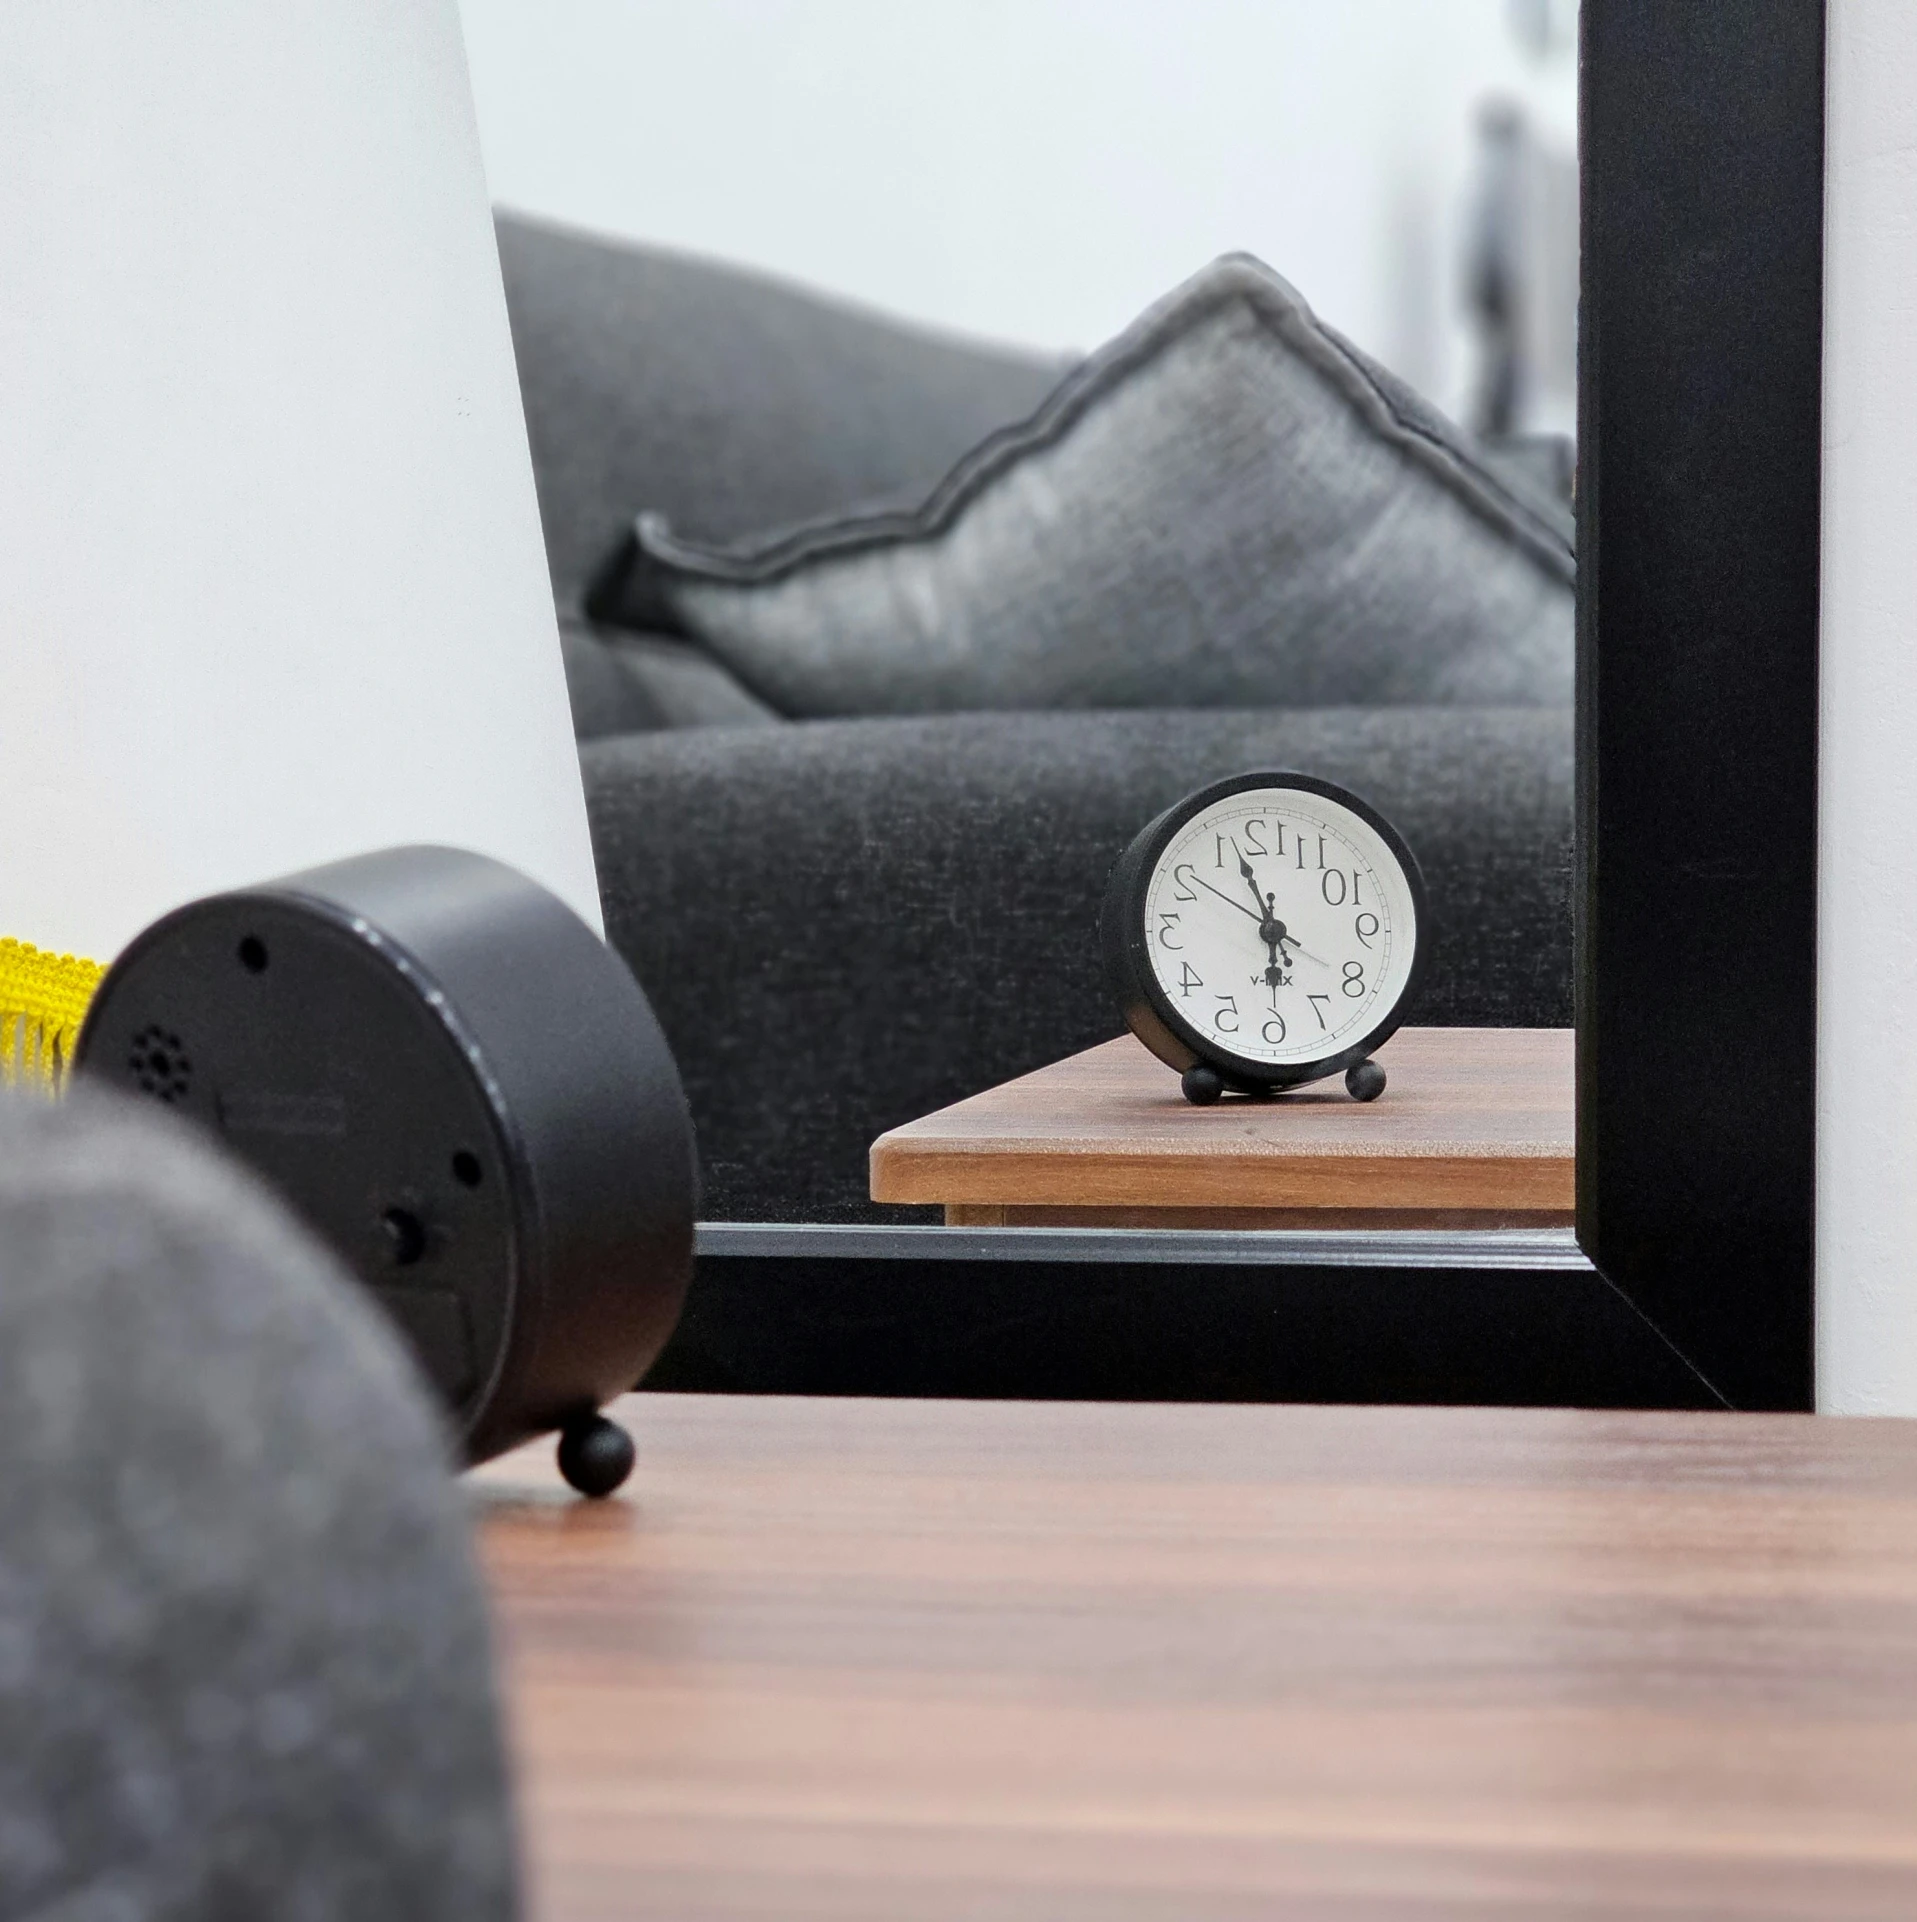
<point x="1689" y="1283"/>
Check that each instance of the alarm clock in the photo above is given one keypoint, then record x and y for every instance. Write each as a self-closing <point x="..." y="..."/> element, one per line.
<point x="1266" y="932"/>
<point x="463" y="1091"/>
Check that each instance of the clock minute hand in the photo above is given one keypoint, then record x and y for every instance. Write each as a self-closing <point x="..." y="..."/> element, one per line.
<point x="1261" y="916"/>
<point x="1229" y="900"/>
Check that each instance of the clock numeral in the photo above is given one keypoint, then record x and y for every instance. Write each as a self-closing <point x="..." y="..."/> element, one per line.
<point x="1183" y="875"/>
<point x="1188" y="979"/>
<point x="1314" y="999"/>
<point x="1218" y="1020"/>
<point x="1167" y="920"/>
<point x="1253" y="829"/>
<point x="1301" y="852"/>
<point x="1354" y="982"/>
<point x="1272" y="1040"/>
<point x="1324" y="887"/>
<point x="1364" y="933"/>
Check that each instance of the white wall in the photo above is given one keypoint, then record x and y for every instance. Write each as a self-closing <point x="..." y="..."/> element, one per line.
<point x="272" y="589"/>
<point x="1034" y="170"/>
<point x="1867" y="820"/>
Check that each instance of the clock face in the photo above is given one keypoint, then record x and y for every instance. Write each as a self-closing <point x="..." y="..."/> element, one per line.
<point x="1281" y="927"/>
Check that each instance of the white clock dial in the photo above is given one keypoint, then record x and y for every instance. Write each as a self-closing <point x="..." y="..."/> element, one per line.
<point x="1280" y="926"/>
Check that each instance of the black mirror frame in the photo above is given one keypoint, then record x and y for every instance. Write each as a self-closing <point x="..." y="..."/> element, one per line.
<point x="1700" y="479"/>
<point x="1690" y="1281"/>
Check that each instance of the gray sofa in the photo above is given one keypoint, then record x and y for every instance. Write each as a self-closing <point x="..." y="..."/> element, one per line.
<point x="844" y="923"/>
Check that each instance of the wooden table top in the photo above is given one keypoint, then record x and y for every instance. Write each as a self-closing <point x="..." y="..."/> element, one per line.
<point x="1475" y="1120"/>
<point x="1183" y="1663"/>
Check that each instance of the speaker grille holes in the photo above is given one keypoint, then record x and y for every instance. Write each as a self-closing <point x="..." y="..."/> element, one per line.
<point x="405" y="1236"/>
<point x="466" y="1169"/>
<point x="253" y="954"/>
<point x="158" y="1061"/>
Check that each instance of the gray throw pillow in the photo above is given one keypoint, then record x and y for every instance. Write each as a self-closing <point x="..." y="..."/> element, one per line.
<point x="1229" y="505"/>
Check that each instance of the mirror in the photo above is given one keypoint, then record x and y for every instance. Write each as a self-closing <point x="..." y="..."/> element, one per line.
<point x="786" y="266"/>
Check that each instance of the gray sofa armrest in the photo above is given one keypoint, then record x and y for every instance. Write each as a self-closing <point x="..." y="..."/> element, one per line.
<point x="847" y="924"/>
<point x="247" y="1669"/>
<point x="723" y="398"/>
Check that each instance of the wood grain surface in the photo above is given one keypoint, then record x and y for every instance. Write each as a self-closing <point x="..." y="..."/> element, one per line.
<point x="1052" y="1662"/>
<point x="1476" y="1126"/>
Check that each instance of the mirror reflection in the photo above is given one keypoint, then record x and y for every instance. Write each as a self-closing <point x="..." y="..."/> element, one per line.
<point x="962" y="435"/>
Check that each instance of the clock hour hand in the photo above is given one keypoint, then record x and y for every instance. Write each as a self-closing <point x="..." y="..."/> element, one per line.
<point x="1251" y="881"/>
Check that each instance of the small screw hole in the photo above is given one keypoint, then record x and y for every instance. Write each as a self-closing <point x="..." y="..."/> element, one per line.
<point x="253" y="954"/>
<point x="405" y="1237"/>
<point x="466" y="1169"/>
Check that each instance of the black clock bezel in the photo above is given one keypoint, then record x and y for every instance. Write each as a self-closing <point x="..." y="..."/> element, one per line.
<point x="1126" y="939"/>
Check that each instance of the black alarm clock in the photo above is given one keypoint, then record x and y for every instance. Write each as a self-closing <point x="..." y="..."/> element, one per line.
<point x="463" y="1091"/>
<point x="1266" y="932"/>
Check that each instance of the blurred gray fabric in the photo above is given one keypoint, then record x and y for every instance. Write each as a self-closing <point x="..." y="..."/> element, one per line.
<point x="1227" y="506"/>
<point x="244" y="1663"/>
<point x="847" y="924"/>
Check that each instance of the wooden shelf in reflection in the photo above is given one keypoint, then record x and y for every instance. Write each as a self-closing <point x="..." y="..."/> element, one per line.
<point x="1475" y="1130"/>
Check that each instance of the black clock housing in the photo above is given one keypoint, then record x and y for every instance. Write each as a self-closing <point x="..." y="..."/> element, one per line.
<point x="464" y="1091"/>
<point x="1210" y="1067"/>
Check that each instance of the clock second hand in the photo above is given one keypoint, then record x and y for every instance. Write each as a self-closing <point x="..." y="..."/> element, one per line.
<point x="1232" y="901"/>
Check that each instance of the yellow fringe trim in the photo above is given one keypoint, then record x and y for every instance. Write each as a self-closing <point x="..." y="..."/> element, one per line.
<point x="43" y="1000"/>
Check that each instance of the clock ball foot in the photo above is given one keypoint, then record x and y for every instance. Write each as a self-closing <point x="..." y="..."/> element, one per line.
<point x="1202" y="1085"/>
<point x="1364" y="1081"/>
<point x="595" y="1455"/>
